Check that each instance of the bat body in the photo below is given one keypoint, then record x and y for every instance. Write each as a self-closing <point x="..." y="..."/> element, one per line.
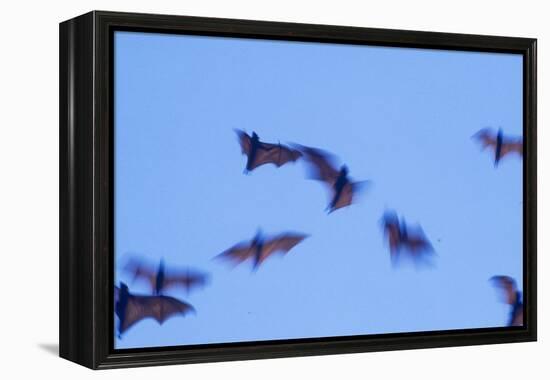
<point x="260" y="248"/>
<point x="160" y="279"/>
<point x="501" y="145"/>
<point x="342" y="189"/>
<point x="259" y="153"/>
<point x="392" y="231"/>
<point x="403" y="239"/>
<point x="512" y="297"/>
<point x="130" y="308"/>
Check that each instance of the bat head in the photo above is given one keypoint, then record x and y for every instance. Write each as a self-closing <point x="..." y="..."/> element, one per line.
<point x="389" y="218"/>
<point x="159" y="282"/>
<point x="344" y="170"/>
<point x="498" y="148"/>
<point x="161" y="266"/>
<point x="124" y="288"/>
<point x="500" y="134"/>
<point x="258" y="238"/>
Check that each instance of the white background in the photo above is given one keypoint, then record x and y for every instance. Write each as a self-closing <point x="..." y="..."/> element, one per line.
<point x="29" y="191"/>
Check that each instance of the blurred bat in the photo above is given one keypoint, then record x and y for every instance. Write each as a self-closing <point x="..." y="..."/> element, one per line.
<point x="499" y="143"/>
<point x="512" y="297"/>
<point x="323" y="168"/>
<point x="130" y="308"/>
<point x="160" y="279"/>
<point x="260" y="248"/>
<point x="403" y="238"/>
<point x="259" y="153"/>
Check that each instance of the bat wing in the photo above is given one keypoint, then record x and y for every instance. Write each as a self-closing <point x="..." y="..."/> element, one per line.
<point x="508" y="287"/>
<point x="188" y="279"/>
<point x="244" y="141"/>
<point x="486" y="138"/>
<point x="418" y="243"/>
<point x="512" y="146"/>
<point x="159" y="308"/>
<point x="238" y="253"/>
<point x="322" y="164"/>
<point x="287" y="154"/>
<point x="275" y="154"/>
<point x="348" y="193"/>
<point x="142" y="271"/>
<point x="281" y="243"/>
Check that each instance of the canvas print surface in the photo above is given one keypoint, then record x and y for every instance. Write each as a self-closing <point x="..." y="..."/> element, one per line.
<point x="269" y="190"/>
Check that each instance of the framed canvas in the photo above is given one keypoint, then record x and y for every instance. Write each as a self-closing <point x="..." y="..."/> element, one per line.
<point x="235" y="189"/>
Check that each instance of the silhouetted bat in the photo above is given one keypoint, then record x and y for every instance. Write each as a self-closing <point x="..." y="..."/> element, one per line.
<point x="500" y="144"/>
<point x="259" y="153"/>
<point x="260" y="248"/>
<point x="130" y="308"/>
<point x="512" y="297"/>
<point x="342" y="188"/>
<point x="403" y="238"/>
<point x="160" y="279"/>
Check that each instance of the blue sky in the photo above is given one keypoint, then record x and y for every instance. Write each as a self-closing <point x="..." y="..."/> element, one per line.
<point x="402" y="118"/>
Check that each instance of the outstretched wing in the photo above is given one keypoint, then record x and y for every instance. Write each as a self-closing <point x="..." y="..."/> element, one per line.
<point x="417" y="242"/>
<point x="276" y="154"/>
<point x="486" y="137"/>
<point x="512" y="146"/>
<point x="189" y="279"/>
<point x="159" y="308"/>
<point x="282" y="243"/>
<point x="348" y="193"/>
<point x="266" y="153"/>
<point x="244" y="141"/>
<point x="508" y="286"/>
<point x="323" y="166"/>
<point x="238" y="253"/>
<point x="141" y="271"/>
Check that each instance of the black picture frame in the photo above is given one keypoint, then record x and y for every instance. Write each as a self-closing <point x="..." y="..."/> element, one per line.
<point x="86" y="192"/>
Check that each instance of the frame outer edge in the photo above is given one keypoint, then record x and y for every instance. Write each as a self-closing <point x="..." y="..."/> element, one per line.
<point x="85" y="267"/>
<point x="76" y="309"/>
<point x="66" y="325"/>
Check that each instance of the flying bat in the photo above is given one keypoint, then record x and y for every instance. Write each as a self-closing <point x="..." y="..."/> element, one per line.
<point x="499" y="143"/>
<point x="342" y="189"/>
<point x="259" y="153"/>
<point x="403" y="238"/>
<point x="160" y="279"/>
<point x="260" y="248"/>
<point x="131" y="308"/>
<point x="512" y="297"/>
